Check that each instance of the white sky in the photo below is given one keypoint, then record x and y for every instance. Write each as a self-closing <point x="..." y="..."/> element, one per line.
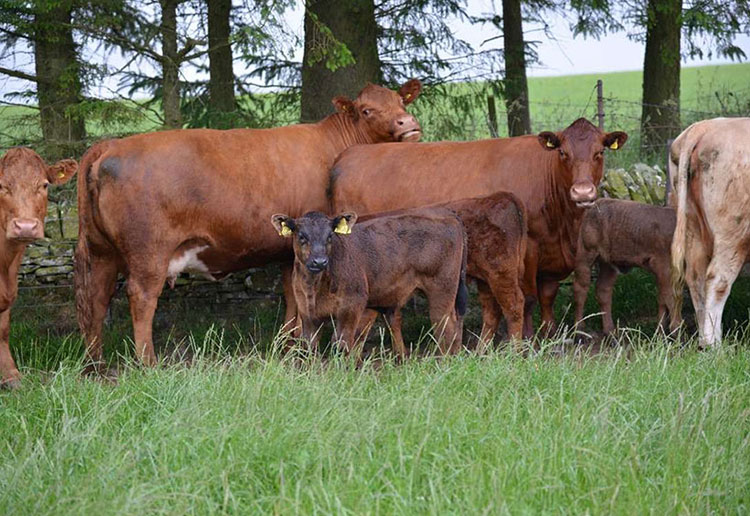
<point x="562" y="56"/>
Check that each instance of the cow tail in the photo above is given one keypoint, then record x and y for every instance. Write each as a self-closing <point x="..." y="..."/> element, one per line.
<point x="679" y="241"/>
<point x="523" y="234"/>
<point x="82" y="257"/>
<point x="462" y="294"/>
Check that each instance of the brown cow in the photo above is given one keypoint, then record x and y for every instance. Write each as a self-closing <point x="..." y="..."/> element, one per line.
<point x="342" y="271"/>
<point x="554" y="174"/>
<point x="154" y="205"/>
<point x="24" y="178"/>
<point x="619" y="235"/>
<point x="710" y="167"/>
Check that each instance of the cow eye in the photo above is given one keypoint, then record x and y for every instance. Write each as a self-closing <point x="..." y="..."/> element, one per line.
<point x="562" y="153"/>
<point x="330" y="237"/>
<point x="302" y="239"/>
<point x="366" y="112"/>
<point x="44" y="185"/>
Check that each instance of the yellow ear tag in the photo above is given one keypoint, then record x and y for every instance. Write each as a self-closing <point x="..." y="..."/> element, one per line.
<point x="614" y="145"/>
<point x="285" y="231"/>
<point x="342" y="228"/>
<point x="550" y="144"/>
<point x="408" y="96"/>
<point x="60" y="175"/>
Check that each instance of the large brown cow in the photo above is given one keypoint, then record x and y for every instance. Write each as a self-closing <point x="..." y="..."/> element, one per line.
<point x="24" y="178"/>
<point x="154" y="205"/>
<point x="554" y="174"/>
<point x="710" y="166"/>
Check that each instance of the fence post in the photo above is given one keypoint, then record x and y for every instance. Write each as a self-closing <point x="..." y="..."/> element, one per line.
<point x="492" y="115"/>
<point x="600" y="103"/>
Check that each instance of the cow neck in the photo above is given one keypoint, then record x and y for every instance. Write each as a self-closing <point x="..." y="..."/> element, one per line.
<point x="343" y="132"/>
<point x="562" y="213"/>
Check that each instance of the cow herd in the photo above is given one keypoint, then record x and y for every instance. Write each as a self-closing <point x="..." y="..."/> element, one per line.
<point x="360" y="217"/>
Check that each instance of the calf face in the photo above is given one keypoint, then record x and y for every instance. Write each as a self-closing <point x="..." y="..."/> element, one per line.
<point x="313" y="234"/>
<point x="381" y="114"/>
<point x="581" y="157"/>
<point x="24" y="178"/>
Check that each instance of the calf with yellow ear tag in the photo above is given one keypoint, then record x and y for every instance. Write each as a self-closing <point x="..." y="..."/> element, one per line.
<point x="341" y="271"/>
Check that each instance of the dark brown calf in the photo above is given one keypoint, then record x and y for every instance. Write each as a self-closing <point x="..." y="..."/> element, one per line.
<point x="496" y="231"/>
<point x="341" y="273"/>
<point x="620" y="235"/>
<point x="24" y="178"/>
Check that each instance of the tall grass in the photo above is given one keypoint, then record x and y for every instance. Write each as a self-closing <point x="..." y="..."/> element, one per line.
<point x="651" y="430"/>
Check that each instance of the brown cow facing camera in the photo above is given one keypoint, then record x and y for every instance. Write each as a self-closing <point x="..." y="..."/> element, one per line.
<point x="620" y="235"/>
<point x="24" y="178"/>
<point x="342" y="270"/>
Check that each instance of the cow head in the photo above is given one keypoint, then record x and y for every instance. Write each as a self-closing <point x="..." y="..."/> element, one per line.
<point x="381" y="114"/>
<point x="24" y="178"/>
<point x="313" y="235"/>
<point x="580" y="150"/>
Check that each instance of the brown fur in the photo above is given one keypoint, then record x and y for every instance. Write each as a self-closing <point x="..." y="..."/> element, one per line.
<point x="378" y="267"/>
<point x="549" y="172"/>
<point x="619" y="235"/>
<point x="153" y="199"/>
<point x="24" y="177"/>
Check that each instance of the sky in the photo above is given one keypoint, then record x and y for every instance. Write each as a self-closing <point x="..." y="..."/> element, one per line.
<point x="560" y="55"/>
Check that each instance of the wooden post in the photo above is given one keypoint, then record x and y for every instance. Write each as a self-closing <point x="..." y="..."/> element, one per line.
<point x="492" y="116"/>
<point x="600" y="103"/>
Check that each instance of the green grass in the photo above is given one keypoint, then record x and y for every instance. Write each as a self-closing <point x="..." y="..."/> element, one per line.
<point x="650" y="431"/>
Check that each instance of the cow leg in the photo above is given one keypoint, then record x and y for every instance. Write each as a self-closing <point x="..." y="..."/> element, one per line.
<point x="547" y="294"/>
<point x="103" y="283"/>
<point x="529" y="288"/>
<point x="696" y="265"/>
<point x="723" y="269"/>
<point x="491" y="313"/>
<point x="311" y="333"/>
<point x="348" y="324"/>
<point x="10" y="377"/>
<point x="143" y="293"/>
<point x="397" y="338"/>
<point x="581" y="285"/>
<point x="444" y="320"/>
<point x="291" y="319"/>
<point x="666" y="299"/>
<point x="605" y="283"/>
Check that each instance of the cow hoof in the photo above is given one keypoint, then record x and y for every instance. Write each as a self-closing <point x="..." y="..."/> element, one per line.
<point x="11" y="384"/>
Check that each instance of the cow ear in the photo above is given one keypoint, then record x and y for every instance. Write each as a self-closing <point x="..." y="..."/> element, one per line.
<point x="61" y="172"/>
<point x="410" y="90"/>
<point x="284" y="224"/>
<point x="343" y="223"/>
<point x="615" y="140"/>
<point x="345" y="106"/>
<point x="549" y="140"/>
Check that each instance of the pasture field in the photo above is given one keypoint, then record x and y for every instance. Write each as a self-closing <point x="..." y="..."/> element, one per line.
<point x="225" y="425"/>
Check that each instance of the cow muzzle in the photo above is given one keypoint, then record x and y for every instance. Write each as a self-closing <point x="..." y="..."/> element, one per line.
<point x="24" y="230"/>
<point x="317" y="265"/>
<point x="583" y="194"/>
<point x="407" y="129"/>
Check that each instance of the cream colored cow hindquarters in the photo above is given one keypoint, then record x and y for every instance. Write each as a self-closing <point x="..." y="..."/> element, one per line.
<point x="710" y="167"/>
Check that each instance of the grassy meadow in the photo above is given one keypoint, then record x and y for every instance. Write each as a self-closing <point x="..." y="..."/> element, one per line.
<point x="227" y="425"/>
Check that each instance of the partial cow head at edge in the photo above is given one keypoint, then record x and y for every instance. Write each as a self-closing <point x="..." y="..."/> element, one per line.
<point x="24" y="179"/>
<point x="313" y="235"/>
<point x="381" y="112"/>
<point x="580" y="148"/>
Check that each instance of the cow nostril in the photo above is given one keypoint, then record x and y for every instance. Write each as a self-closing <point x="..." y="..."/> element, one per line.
<point x="400" y="122"/>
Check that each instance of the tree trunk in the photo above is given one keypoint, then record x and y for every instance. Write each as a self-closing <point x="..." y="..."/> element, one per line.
<point x="660" y="118"/>
<point x="58" y="80"/>
<point x="170" y="64"/>
<point x="516" y="88"/>
<point x="352" y="23"/>
<point x="221" y="82"/>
